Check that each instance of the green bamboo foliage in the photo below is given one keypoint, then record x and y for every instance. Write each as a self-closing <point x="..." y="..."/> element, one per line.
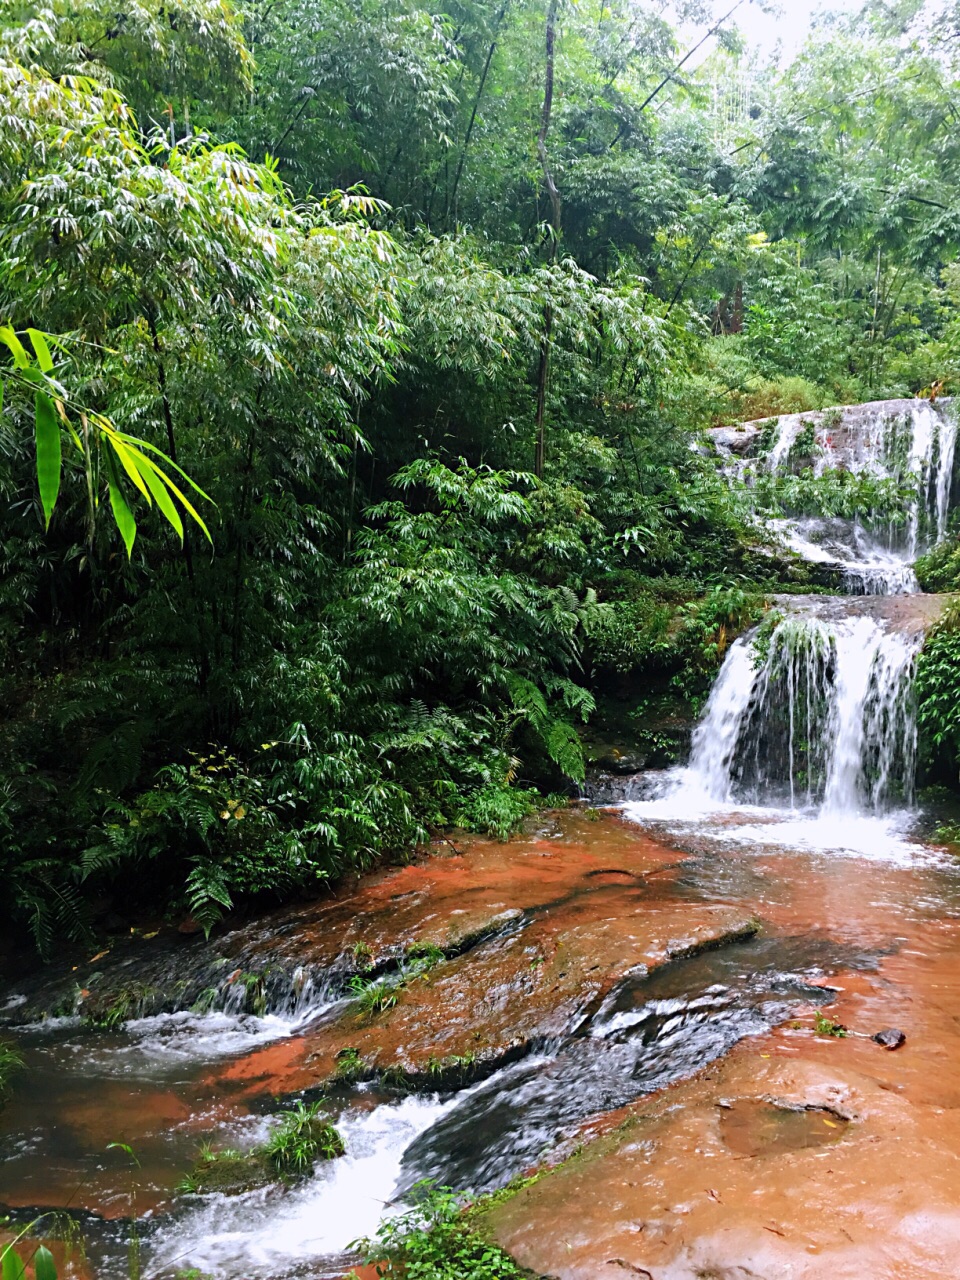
<point x="121" y="453"/>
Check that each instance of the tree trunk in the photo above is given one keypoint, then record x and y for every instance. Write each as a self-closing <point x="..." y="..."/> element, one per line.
<point x="543" y="373"/>
<point x="452" y="199"/>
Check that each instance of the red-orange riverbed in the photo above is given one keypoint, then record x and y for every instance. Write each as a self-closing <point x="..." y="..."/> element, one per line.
<point x="788" y="1155"/>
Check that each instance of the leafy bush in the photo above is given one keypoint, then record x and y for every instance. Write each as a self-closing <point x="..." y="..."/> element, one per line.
<point x="938" y="694"/>
<point x="939" y="569"/>
<point x="497" y="810"/>
<point x="226" y="823"/>
<point x="433" y="1241"/>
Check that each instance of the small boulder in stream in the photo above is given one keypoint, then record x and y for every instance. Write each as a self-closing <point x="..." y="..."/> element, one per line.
<point x="890" y="1038"/>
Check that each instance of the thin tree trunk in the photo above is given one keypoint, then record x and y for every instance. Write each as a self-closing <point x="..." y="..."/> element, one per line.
<point x="452" y="202"/>
<point x="543" y="373"/>
<point x="204" y="653"/>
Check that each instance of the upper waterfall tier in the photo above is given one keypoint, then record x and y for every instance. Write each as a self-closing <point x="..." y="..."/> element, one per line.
<point x="910" y="442"/>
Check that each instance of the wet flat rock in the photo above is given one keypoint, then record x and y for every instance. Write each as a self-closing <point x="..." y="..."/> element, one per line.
<point x="910" y="614"/>
<point x="798" y="1155"/>
<point x="442" y="900"/>
<point x="586" y="922"/>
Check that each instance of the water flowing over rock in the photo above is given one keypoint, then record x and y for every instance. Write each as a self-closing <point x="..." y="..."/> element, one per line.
<point x="824" y="718"/>
<point x="911" y="442"/>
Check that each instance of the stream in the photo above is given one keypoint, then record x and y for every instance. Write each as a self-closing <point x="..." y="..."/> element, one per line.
<point x="587" y="966"/>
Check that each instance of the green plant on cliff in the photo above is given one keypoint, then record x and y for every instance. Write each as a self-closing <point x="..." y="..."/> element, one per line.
<point x="434" y="1241"/>
<point x="939" y="569"/>
<point x="938" y="695"/>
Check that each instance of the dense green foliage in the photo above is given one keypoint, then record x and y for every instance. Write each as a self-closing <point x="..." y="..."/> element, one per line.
<point x="938" y="695"/>
<point x="434" y="1241"/>
<point x="435" y="319"/>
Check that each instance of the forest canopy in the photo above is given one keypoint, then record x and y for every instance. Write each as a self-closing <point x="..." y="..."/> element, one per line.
<point x="422" y="311"/>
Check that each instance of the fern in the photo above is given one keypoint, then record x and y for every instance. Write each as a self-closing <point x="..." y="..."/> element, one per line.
<point x="208" y="894"/>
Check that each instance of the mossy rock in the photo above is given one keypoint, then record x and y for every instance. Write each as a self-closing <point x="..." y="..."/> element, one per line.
<point x="304" y="1137"/>
<point x="230" y="1172"/>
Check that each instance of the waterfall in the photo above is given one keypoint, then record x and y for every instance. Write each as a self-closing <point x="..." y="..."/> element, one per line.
<point x="910" y="442"/>
<point x="817" y="713"/>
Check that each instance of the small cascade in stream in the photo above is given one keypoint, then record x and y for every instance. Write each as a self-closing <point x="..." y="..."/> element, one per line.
<point x="817" y="714"/>
<point x="910" y="442"/>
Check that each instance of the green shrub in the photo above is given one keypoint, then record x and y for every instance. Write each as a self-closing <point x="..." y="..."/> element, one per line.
<point x="10" y="1063"/>
<point x="939" y="569"/>
<point x="497" y="809"/>
<point x="938" y="693"/>
<point x="433" y="1241"/>
<point x="305" y="1136"/>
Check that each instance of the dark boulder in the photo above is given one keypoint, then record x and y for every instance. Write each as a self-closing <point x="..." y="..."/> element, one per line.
<point x="890" y="1038"/>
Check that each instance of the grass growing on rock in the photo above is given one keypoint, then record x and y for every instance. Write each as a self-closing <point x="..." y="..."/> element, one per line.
<point x="304" y="1136"/>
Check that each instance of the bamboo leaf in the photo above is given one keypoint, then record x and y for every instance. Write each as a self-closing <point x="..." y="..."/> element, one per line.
<point x="145" y="444"/>
<point x="122" y="514"/>
<point x="44" y="1268"/>
<point x="16" y="347"/>
<point x="11" y="1266"/>
<point x="49" y="455"/>
<point x="128" y="464"/>
<point x="44" y="358"/>
<point x="188" y="506"/>
<point x="156" y="486"/>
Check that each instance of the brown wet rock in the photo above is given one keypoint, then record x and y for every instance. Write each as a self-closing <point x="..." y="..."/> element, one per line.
<point x="739" y="1171"/>
<point x="443" y="900"/>
<point x="587" y="922"/>
<point x="490" y="1005"/>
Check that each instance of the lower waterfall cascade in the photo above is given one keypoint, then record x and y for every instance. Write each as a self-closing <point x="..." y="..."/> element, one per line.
<point x="824" y="719"/>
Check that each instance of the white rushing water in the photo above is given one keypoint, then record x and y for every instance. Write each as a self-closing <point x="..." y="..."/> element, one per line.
<point x="825" y="717"/>
<point x="808" y="739"/>
<point x="867" y="567"/>
<point x="269" y="1231"/>
<point x="910" y="442"/>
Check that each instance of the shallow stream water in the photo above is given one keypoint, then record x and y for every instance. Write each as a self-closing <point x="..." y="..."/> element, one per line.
<point x="796" y="808"/>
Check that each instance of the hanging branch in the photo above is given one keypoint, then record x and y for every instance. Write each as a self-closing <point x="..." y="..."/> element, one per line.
<point x="687" y="56"/>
